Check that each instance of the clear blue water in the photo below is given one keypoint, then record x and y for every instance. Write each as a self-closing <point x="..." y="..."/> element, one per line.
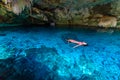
<point x="37" y="53"/>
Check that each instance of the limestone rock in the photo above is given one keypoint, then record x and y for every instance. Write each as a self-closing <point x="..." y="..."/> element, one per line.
<point x="108" y="21"/>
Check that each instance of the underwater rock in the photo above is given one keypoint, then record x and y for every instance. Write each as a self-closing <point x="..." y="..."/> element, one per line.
<point x="105" y="31"/>
<point x="5" y="52"/>
<point x="6" y="69"/>
<point x="23" y="68"/>
<point x="46" y="56"/>
<point x="61" y="66"/>
<point x="2" y="34"/>
<point x="26" y="68"/>
<point x="43" y="54"/>
<point x="87" y="77"/>
<point x="41" y="50"/>
<point x="98" y="75"/>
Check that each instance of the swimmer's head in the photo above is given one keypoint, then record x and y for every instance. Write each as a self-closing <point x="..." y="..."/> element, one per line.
<point x="84" y="43"/>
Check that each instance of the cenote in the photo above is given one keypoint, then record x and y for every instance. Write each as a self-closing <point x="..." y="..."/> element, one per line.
<point x="43" y="53"/>
<point x="59" y="39"/>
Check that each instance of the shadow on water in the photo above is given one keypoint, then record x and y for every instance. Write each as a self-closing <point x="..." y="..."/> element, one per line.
<point x="32" y="28"/>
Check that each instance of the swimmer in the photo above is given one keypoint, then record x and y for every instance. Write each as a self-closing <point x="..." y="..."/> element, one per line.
<point x="77" y="42"/>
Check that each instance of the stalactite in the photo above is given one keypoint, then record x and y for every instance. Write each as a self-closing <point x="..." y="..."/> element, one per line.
<point x="19" y="5"/>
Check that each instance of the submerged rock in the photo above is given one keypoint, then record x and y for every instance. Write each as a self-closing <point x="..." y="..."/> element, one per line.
<point x="5" y="52"/>
<point x="62" y="67"/>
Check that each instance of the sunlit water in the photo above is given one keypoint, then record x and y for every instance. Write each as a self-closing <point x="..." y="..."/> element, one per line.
<point x="38" y="53"/>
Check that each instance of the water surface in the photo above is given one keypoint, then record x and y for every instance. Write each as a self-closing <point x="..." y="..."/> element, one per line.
<point x="38" y="53"/>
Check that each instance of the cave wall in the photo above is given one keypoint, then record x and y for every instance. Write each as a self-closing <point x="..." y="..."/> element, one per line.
<point x="65" y="12"/>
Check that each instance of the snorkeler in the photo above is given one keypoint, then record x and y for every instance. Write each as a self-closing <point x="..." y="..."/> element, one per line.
<point x="77" y="42"/>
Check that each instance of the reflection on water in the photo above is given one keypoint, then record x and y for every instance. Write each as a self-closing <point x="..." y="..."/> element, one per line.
<point x="37" y="53"/>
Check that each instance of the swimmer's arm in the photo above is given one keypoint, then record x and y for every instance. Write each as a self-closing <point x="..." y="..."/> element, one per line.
<point x="76" y="46"/>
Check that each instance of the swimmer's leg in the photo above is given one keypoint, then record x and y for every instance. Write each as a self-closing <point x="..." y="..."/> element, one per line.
<point x="68" y="41"/>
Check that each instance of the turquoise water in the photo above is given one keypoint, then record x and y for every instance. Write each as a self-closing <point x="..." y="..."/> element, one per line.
<point x="37" y="53"/>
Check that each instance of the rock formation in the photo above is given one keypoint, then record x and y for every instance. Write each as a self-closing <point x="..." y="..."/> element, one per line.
<point x="59" y="12"/>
